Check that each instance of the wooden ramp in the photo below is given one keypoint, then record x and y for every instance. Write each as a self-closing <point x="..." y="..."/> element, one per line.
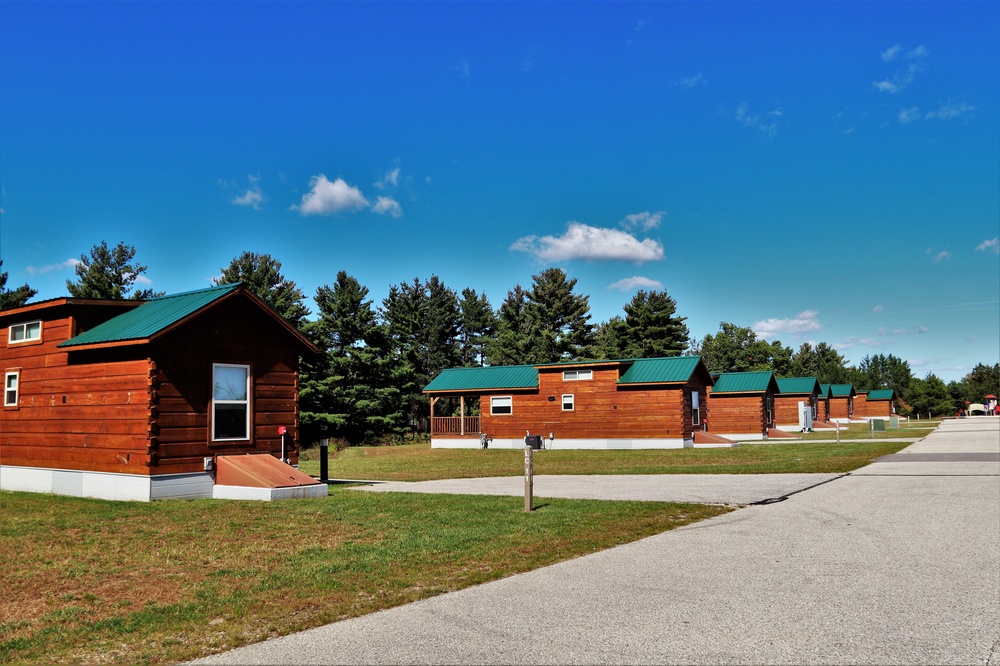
<point x="705" y="440"/>
<point x="262" y="477"/>
<point x="774" y="433"/>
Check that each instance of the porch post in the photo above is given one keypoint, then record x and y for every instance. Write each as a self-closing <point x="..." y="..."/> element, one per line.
<point x="433" y="400"/>
<point x="461" y="411"/>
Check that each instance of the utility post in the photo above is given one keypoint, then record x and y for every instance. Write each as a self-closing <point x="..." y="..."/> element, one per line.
<point x="528" y="478"/>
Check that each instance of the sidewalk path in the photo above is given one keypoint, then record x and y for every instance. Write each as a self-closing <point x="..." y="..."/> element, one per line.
<point x="898" y="563"/>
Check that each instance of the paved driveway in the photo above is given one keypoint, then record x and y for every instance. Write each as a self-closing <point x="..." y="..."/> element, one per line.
<point x="898" y="563"/>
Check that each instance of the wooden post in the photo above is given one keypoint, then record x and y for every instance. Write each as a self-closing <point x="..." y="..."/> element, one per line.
<point x="528" y="478"/>
<point x="461" y="411"/>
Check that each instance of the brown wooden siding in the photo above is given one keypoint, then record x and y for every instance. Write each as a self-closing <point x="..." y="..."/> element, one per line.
<point x="737" y="413"/>
<point x="83" y="417"/>
<point x="786" y="407"/>
<point x="839" y="408"/>
<point x="602" y="410"/>
<point x="875" y="408"/>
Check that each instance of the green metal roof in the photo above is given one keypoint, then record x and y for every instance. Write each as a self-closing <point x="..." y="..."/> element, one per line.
<point x="880" y="394"/>
<point x="490" y="378"/>
<point x="841" y="390"/>
<point x="798" y="385"/>
<point x="669" y="370"/>
<point x="743" y="382"/>
<point x="151" y="317"/>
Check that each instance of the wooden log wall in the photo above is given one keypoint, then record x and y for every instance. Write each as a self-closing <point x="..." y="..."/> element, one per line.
<point x="786" y="407"/>
<point x="874" y="408"/>
<point x="736" y="413"/>
<point x="73" y="416"/>
<point x="602" y="410"/>
<point x="839" y="408"/>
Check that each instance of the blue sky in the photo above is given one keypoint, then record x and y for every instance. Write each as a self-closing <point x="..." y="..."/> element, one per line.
<point x="822" y="171"/>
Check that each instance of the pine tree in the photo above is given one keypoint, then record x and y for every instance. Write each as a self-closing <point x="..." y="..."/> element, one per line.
<point x="261" y="274"/>
<point x="652" y="328"/>
<point x="477" y="325"/>
<point x="514" y="340"/>
<point x="13" y="298"/>
<point x="560" y="318"/>
<point x="610" y="339"/>
<point x="109" y="273"/>
<point x="351" y="390"/>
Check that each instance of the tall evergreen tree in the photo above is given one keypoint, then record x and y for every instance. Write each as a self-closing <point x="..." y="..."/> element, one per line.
<point x="610" y="339"/>
<point x="929" y="396"/>
<point x="560" y="317"/>
<point x="13" y="298"/>
<point x="652" y="327"/>
<point x="884" y="372"/>
<point x="261" y="273"/>
<point x="351" y="390"/>
<point x="477" y="325"/>
<point x="109" y="273"/>
<point x="515" y="331"/>
<point x="984" y="380"/>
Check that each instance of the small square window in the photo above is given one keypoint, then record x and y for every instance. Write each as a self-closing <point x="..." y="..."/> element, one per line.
<point x="576" y="375"/>
<point x="10" y="390"/>
<point x="568" y="402"/>
<point x="25" y="332"/>
<point x="501" y="404"/>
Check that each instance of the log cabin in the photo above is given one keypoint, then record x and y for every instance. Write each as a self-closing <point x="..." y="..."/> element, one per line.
<point x="654" y="403"/>
<point x="141" y="400"/>
<point x="875" y="404"/>
<point x="792" y="391"/>
<point x="840" y="402"/>
<point x="741" y="405"/>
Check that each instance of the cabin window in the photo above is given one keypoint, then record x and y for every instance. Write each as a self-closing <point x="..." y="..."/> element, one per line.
<point x="501" y="404"/>
<point x="568" y="402"/>
<point x="575" y="375"/>
<point x="695" y="409"/>
<point x="25" y="332"/>
<point x="10" y="382"/>
<point x="230" y="401"/>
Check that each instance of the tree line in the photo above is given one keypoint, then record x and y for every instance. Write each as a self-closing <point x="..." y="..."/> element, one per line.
<point x="365" y="384"/>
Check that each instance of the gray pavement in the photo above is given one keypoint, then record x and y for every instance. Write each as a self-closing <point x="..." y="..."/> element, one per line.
<point x="897" y="563"/>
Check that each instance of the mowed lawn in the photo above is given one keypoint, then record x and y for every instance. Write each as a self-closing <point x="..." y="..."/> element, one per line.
<point x="418" y="462"/>
<point x="92" y="581"/>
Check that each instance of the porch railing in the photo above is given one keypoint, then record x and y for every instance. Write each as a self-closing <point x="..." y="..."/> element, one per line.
<point x="455" y="425"/>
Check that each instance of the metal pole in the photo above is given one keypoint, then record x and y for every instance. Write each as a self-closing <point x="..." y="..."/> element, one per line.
<point x="528" y="479"/>
<point x="838" y="432"/>
<point x="324" y="449"/>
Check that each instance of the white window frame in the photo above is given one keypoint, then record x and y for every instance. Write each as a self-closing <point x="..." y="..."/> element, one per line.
<point x="568" y="399"/>
<point x="577" y="375"/>
<point x="15" y="389"/>
<point x="695" y="408"/>
<point x="497" y="400"/>
<point x="245" y="401"/>
<point x="23" y="327"/>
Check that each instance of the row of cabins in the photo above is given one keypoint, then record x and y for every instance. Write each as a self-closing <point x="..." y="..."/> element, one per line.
<point x="633" y="404"/>
<point x="165" y="398"/>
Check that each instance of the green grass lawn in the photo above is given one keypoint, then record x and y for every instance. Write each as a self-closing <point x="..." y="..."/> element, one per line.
<point x="418" y="462"/>
<point x="93" y="581"/>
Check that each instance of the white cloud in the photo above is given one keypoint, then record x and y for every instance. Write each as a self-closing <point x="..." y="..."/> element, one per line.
<point x="590" y="243"/>
<point x="753" y="121"/>
<point x="387" y="206"/>
<point x="991" y="245"/>
<point x="918" y="53"/>
<point x="636" y="282"/>
<point x="803" y="322"/>
<point x="909" y="115"/>
<point x="878" y="308"/>
<point x="40" y="270"/>
<point x="644" y="220"/>
<point x="327" y="198"/>
<point x="691" y="81"/>
<point x="252" y="198"/>
<point x="390" y="179"/>
<point x="142" y="279"/>
<point x="890" y="53"/>
<point x="951" y="110"/>
<point x="901" y="78"/>
<point x="943" y="255"/>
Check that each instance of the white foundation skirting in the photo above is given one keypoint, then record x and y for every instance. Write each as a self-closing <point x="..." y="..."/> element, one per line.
<point x="106" y="485"/>
<point x="557" y="444"/>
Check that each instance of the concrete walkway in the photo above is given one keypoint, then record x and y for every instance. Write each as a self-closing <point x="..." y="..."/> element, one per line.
<point x="897" y="563"/>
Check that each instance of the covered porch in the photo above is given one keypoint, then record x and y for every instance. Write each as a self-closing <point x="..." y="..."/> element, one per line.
<point x="464" y="424"/>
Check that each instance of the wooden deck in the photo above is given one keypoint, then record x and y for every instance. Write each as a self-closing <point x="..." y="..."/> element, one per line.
<point x="454" y="425"/>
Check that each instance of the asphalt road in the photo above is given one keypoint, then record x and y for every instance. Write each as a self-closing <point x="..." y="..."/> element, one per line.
<point x="896" y="563"/>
